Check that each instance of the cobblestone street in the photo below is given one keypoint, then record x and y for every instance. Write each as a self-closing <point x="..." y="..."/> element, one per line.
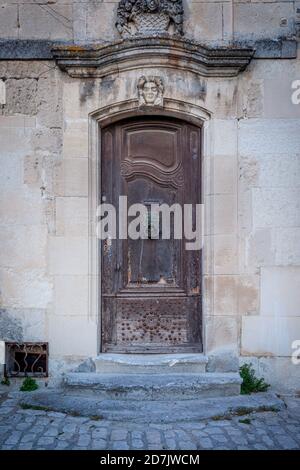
<point x="38" y="429"/>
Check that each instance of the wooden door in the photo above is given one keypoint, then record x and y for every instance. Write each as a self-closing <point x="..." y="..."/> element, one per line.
<point x="151" y="288"/>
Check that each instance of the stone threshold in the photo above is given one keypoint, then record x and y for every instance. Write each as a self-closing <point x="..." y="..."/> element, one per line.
<point x="176" y="386"/>
<point x="218" y="409"/>
<point x="148" y="363"/>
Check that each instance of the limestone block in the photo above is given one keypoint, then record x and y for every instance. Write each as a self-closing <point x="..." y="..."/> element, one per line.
<point x="21" y="207"/>
<point x="71" y="295"/>
<point x="17" y="122"/>
<point x="49" y="96"/>
<point x="220" y="214"/>
<point x="11" y="171"/>
<point x="23" y="324"/>
<point x="2" y="352"/>
<point x="223" y="361"/>
<point x="232" y="295"/>
<point x="47" y="141"/>
<point x="72" y="336"/>
<point x="11" y="138"/>
<point x="280" y="291"/>
<point x="287" y="246"/>
<point x="225" y="137"/>
<point x="269" y="335"/>
<point x="274" y="136"/>
<point x="271" y="170"/>
<point x="281" y="373"/>
<point x="258" y="20"/>
<point x="225" y="295"/>
<point x="71" y="216"/>
<point x="278" y="98"/>
<point x="248" y="294"/>
<point x="75" y="140"/>
<point x="225" y="254"/>
<point x="178" y="85"/>
<point x="23" y="246"/>
<point x="259" y="248"/>
<point x="25" y="289"/>
<point x="250" y="97"/>
<point x="46" y="22"/>
<point x="120" y="87"/>
<point x="59" y="364"/>
<point x="33" y="165"/>
<point x="224" y="174"/>
<point x="101" y="14"/>
<point x="49" y="214"/>
<point x="25" y="68"/>
<point x="79" y="21"/>
<point x="11" y="328"/>
<point x="221" y="334"/>
<point x="2" y="92"/>
<point x="248" y="172"/>
<point x="88" y="89"/>
<point x="268" y="69"/>
<point x="222" y="97"/>
<point x="276" y="207"/>
<point x="21" y="96"/>
<point x="68" y="255"/>
<point x="204" y="21"/>
<point x="73" y="107"/>
<point x="9" y="20"/>
<point x="244" y="209"/>
<point x="227" y="14"/>
<point x="283" y="171"/>
<point x="38" y="173"/>
<point x="35" y="325"/>
<point x="71" y="178"/>
<point x="208" y="294"/>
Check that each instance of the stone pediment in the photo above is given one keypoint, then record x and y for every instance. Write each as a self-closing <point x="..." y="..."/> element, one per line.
<point x="96" y="61"/>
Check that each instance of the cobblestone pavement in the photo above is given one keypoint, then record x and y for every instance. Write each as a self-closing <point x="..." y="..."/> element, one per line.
<point x="37" y="429"/>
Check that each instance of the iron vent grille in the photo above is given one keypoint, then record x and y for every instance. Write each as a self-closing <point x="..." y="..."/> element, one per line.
<point x="26" y="359"/>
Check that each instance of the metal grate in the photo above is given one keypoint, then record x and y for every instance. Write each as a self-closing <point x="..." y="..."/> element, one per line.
<point x="26" y="359"/>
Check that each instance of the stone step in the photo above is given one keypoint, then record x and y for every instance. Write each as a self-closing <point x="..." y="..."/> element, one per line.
<point x="153" y="386"/>
<point x="150" y="363"/>
<point x="151" y="411"/>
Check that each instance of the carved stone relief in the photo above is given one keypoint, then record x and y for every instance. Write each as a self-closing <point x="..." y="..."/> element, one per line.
<point x="149" y="17"/>
<point x="150" y="91"/>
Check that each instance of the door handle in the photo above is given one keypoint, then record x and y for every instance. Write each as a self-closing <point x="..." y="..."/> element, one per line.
<point x="118" y="267"/>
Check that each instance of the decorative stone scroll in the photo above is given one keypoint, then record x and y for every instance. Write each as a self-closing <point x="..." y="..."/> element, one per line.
<point x="150" y="91"/>
<point x="149" y="17"/>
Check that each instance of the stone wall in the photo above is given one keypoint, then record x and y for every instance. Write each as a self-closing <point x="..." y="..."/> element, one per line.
<point x="251" y="184"/>
<point x="91" y="20"/>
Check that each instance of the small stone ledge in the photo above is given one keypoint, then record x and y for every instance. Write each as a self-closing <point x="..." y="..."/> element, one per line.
<point x="273" y="49"/>
<point x="23" y="49"/>
<point x="35" y="49"/>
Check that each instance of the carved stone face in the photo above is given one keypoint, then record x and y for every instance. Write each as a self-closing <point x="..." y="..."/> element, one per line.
<point x="150" y="92"/>
<point x="152" y="5"/>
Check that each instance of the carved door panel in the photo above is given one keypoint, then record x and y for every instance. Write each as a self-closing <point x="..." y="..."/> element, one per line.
<point x="151" y="297"/>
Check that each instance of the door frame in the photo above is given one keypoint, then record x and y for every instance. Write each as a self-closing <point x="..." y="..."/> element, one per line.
<point x="101" y="118"/>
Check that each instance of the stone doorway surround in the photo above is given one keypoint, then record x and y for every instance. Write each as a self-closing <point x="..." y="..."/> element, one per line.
<point x="200" y="88"/>
<point x="97" y="121"/>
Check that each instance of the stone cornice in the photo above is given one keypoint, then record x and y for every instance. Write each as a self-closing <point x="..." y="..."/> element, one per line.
<point x="97" y="61"/>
